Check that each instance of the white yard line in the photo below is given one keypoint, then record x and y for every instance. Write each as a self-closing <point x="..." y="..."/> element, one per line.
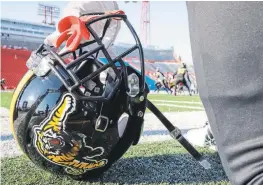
<point x="174" y="101"/>
<point x="153" y="129"/>
<point x="179" y="106"/>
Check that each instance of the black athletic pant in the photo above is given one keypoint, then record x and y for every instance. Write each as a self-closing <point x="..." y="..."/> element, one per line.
<point x="167" y="89"/>
<point x="179" y="80"/>
<point x="227" y="48"/>
<point x="158" y="86"/>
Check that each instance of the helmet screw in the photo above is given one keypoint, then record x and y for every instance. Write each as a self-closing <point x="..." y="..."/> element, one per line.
<point x="140" y="114"/>
<point x="141" y="98"/>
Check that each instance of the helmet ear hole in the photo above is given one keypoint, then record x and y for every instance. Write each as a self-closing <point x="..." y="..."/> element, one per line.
<point x="87" y="67"/>
<point x="103" y="76"/>
<point x="122" y="123"/>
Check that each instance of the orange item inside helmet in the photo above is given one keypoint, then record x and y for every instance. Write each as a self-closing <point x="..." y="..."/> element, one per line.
<point x="73" y="29"/>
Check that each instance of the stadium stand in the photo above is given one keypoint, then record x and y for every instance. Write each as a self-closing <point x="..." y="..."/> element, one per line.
<point x="15" y="54"/>
<point x="16" y="44"/>
<point x="13" y="67"/>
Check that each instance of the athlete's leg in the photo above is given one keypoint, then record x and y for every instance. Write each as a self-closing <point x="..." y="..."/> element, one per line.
<point x="165" y="84"/>
<point x="177" y="81"/>
<point x="157" y="88"/>
<point x="227" y="45"/>
<point x="186" y="85"/>
<point x="171" y="88"/>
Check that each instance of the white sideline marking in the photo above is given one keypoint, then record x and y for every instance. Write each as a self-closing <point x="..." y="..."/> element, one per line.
<point x="179" y="106"/>
<point x="154" y="130"/>
<point x="174" y="101"/>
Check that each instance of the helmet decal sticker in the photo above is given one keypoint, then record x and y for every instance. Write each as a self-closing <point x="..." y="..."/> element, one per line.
<point x="57" y="146"/>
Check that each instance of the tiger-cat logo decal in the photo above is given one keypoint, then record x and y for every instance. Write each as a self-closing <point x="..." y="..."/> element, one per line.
<point x="54" y="143"/>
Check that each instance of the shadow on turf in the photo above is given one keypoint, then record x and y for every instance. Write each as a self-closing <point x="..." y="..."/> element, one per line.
<point x="158" y="169"/>
<point x="179" y="168"/>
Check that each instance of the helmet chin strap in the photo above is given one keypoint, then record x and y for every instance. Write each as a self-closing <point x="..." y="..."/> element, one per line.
<point x="103" y="121"/>
<point x="176" y="134"/>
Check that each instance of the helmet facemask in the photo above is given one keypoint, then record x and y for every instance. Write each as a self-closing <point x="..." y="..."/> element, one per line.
<point x="114" y="70"/>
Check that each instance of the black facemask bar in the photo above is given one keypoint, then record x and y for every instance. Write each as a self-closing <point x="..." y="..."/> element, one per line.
<point x="61" y="69"/>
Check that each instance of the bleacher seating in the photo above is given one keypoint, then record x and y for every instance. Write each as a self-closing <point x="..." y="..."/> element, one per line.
<point x="13" y="67"/>
<point x="149" y="54"/>
<point x="29" y="45"/>
<point x="14" y="56"/>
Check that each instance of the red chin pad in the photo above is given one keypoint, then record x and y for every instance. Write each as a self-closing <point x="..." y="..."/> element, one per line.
<point x="72" y="30"/>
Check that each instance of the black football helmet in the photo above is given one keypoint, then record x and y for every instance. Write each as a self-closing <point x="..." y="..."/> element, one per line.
<point x="77" y="118"/>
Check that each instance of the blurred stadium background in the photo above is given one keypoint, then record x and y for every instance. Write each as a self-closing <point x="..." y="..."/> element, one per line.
<point x="150" y="162"/>
<point x="19" y="38"/>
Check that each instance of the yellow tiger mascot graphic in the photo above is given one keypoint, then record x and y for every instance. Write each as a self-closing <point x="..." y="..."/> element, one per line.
<point x="50" y="138"/>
